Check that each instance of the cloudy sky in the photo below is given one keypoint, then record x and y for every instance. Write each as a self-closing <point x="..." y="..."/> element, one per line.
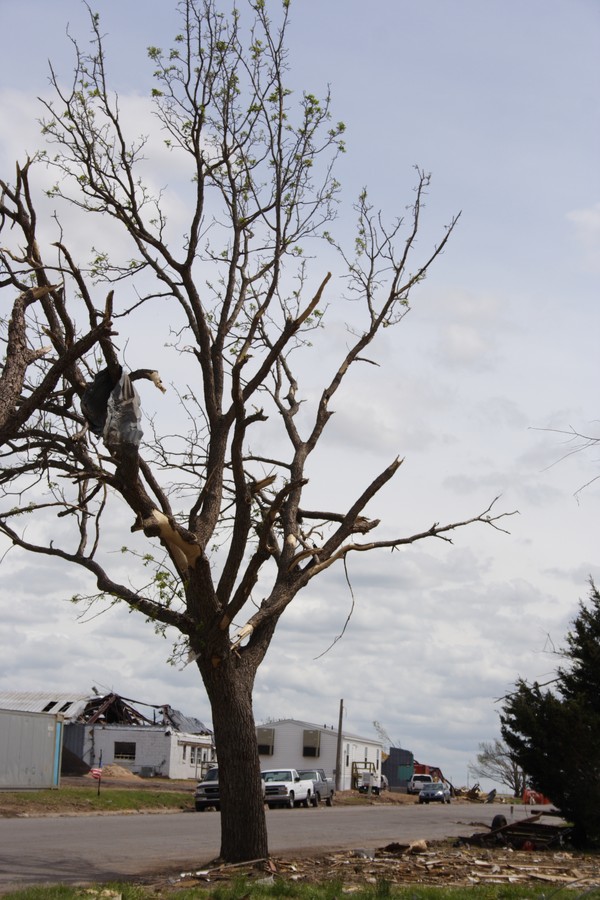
<point x="499" y="100"/>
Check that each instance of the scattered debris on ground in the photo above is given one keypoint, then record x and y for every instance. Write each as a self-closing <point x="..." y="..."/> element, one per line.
<point x="525" y="834"/>
<point x="527" y="851"/>
<point x="476" y="795"/>
<point x="399" y="864"/>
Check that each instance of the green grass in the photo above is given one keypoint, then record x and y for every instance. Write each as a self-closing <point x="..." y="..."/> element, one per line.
<point x="86" y="799"/>
<point x="244" y="889"/>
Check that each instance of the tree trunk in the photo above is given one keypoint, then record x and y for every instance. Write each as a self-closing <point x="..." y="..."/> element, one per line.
<point x="243" y="820"/>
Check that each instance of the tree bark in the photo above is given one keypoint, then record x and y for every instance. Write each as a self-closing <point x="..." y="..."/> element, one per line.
<point x="243" y="824"/>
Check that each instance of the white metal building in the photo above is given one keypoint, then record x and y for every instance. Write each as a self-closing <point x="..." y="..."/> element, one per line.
<point x="302" y="745"/>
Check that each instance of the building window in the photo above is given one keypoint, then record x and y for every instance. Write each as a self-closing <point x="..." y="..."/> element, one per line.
<point x="125" y="750"/>
<point x="265" y="738"/>
<point x="311" y="743"/>
<point x="183" y="755"/>
<point x="192" y="756"/>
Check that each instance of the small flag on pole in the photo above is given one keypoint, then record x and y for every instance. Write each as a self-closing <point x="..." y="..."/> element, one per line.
<point x="96" y="772"/>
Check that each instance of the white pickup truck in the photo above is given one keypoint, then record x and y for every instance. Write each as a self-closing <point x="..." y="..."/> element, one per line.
<point x="284" y="787"/>
<point x="418" y="781"/>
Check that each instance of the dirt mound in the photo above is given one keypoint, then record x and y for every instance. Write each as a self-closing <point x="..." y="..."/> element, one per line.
<point x="119" y="773"/>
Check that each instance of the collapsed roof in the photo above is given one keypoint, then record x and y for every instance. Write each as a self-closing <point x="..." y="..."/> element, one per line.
<point x="108" y="709"/>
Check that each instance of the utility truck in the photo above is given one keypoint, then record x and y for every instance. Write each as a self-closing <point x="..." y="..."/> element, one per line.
<point x="371" y="782"/>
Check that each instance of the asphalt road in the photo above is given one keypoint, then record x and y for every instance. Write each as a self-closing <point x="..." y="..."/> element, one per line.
<point x="103" y="848"/>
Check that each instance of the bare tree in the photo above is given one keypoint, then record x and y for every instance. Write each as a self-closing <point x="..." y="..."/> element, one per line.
<point x="578" y="442"/>
<point x="235" y="292"/>
<point x="496" y="762"/>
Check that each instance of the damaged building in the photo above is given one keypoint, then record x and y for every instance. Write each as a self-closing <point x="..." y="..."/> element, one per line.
<point x="111" y="729"/>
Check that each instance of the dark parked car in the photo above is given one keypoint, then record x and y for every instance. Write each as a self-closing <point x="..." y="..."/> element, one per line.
<point x="207" y="791"/>
<point x="435" y="792"/>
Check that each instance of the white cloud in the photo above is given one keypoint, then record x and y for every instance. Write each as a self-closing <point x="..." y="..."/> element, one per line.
<point x="586" y="224"/>
<point x="471" y="330"/>
<point x="463" y="345"/>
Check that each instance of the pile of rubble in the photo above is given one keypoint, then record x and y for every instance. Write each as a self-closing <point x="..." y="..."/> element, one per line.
<point x="524" y="852"/>
<point x="525" y="834"/>
<point x="442" y="866"/>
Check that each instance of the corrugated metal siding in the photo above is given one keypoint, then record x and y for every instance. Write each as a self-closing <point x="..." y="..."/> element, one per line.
<point x="30" y="749"/>
<point x="398" y="767"/>
<point x="74" y="738"/>
<point x="187" y="724"/>
<point x="69" y="705"/>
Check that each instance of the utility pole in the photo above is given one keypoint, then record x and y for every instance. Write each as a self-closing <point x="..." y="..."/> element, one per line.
<point x="338" y="756"/>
